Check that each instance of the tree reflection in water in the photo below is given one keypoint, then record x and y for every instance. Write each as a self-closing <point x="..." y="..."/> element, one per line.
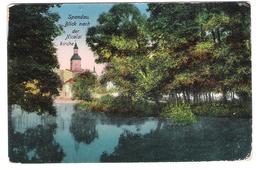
<point x="83" y="127"/>
<point x="200" y="142"/>
<point x="35" y="145"/>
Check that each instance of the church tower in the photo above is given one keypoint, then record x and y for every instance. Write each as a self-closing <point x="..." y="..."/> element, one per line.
<point x="75" y="61"/>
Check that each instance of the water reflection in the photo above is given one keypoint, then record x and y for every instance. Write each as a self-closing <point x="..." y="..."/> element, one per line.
<point x="35" y="145"/>
<point x="211" y="139"/>
<point x="76" y="136"/>
<point x="83" y="127"/>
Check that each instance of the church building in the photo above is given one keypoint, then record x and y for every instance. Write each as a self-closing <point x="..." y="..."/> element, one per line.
<point x="75" y="61"/>
<point x="67" y="76"/>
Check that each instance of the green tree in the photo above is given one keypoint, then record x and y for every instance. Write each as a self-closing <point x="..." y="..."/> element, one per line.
<point x="189" y="50"/>
<point x="228" y="35"/>
<point x="118" y="39"/>
<point x="83" y="83"/>
<point x="32" y="82"/>
<point x="209" y="44"/>
<point x="187" y="73"/>
<point x="120" y="32"/>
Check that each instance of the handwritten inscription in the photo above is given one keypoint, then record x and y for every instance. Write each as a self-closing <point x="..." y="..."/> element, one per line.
<point x="73" y="26"/>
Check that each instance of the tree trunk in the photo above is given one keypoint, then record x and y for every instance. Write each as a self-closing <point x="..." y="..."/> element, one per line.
<point x="209" y="96"/>
<point x="195" y="99"/>
<point x="218" y="35"/>
<point x="184" y="96"/>
<point x="213" y="36"/>
<point x="188" y="96"/>
<point x="177" y="97"/>
<point x="199" y="98"/>
<point x="233" y="95"/>
<point x="224" y="92"/>
<point x="174" y="97"/>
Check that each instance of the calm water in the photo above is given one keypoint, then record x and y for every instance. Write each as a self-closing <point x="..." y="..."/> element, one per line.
<point x="76" y="136"/>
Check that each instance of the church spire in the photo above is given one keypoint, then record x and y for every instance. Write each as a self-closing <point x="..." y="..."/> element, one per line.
<point x="75" y="48"/>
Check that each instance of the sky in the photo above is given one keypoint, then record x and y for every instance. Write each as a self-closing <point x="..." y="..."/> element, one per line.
<point x="64" y="46"/>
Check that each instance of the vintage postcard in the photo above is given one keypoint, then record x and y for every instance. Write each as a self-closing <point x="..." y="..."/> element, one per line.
<point x="129" y="82"/>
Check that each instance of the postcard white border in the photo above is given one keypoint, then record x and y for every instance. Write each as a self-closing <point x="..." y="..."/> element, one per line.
<point x="251" y="163"/>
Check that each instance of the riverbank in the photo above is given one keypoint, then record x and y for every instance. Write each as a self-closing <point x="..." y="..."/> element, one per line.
<point x="124" y="107"/>
<point x="63" y="100"/>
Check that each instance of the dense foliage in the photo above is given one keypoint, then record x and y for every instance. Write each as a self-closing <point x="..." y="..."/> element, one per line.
<point x="32" y="82"/>
<point x="120" y="105"/>
<point x="180" y="113"/>
<point x="219" y="109"/>
<point x="83" y="84"/>
<point x="189" y="52"/>
<point x="184" y="48"/>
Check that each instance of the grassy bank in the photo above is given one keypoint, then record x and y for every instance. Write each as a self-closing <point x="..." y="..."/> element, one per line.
<point x="120" y="105"/>
<point x="220" y="109"/>
<point x="179" y="113"/>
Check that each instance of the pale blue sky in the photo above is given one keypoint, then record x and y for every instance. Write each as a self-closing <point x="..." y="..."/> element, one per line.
<point x="92" y="10"/>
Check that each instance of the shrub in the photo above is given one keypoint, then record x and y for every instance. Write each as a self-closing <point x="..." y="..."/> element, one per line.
<point x="101" y="104"/>
<point x="121" y="104"/>
<point x="107" y="99"/>
<point x="179" y="113"/>
<point x="118" y="105"/>
<point x="219" y="109"/>
<point x="83" y="84"/>
<point x="124" y="105"/>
